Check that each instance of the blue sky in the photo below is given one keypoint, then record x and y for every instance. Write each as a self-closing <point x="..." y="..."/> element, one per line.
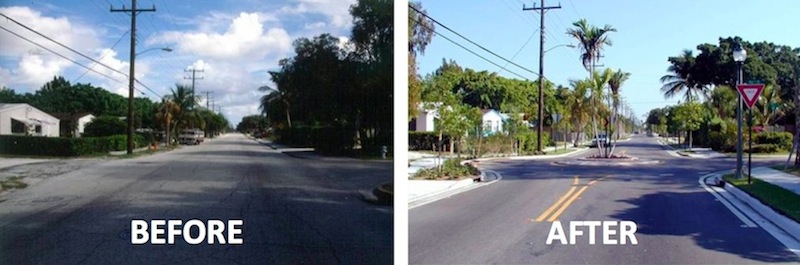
<point x="648" y="32"/>
<point x="235" y="42"/>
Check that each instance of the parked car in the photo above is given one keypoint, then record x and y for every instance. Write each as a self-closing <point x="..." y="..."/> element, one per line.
<point x="191" y="136"/>
<point x="600" y="138"/>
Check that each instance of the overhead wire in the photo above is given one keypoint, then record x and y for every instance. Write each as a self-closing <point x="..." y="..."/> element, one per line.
<point x="472" y="42"/>
<point x="467" y="49"/>
<point x="72" y="50"/>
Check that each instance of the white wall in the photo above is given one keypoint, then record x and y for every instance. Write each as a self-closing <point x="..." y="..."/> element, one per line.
<point x="28" y="114"/>
<point x="425" y="121"/>
<point x="492" y="121"/>
<point x="82" y="124"/>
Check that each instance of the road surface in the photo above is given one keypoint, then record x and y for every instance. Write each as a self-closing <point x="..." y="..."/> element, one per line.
<point x="294" y="211"/>
<point x="508" y="222"/>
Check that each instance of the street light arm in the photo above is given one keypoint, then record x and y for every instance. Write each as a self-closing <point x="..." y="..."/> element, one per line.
<point x="561" y="45"/>
<point x="166" y="49"/>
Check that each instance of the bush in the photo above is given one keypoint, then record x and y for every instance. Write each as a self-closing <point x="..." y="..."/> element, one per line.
<point x="51" y="146"/>
<point x="781" y="140"/>
<point x="763" y="149"/>
<point x="528" y="141"/>
<point x="426" y="141"/>
<point x="451" y="169"/>
<point x="333" y="140"/>
<point x="300" y="136"/>
<point x="105" y="126"/>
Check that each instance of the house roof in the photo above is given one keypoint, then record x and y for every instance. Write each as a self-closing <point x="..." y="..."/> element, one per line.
<point x="70" y="116"/>
<point x="8" y="106"/>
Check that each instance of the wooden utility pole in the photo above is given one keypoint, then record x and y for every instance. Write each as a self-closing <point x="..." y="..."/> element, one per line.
<point x="131" y="76"/>
<point x="208" y="99"/>
<point x="194" y="71"/>
<point x="542" y="9"/>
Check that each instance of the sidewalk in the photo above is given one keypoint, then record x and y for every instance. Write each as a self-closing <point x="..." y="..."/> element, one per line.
<point x="10" y="162"/>
<point x="784" y="180"/>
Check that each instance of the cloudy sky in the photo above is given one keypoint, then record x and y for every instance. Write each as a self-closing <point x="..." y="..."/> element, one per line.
<point x="235" y="43"/>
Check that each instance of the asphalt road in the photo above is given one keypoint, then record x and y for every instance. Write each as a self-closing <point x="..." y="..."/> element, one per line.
<point x="508" y="222"/>
<point x="294" y="211"/>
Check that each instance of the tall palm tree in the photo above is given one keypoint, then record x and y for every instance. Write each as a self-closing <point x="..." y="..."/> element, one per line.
<point x="680" y="79"/>
<point x="591" y="40"/>
<point x="615" y="84"/>
<point x="272" y="98"/>
<point x="598" y="83"/>
<point x="167" y="111"/>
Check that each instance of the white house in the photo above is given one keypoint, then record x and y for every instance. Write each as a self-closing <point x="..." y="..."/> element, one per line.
<point x="426" y="114"/>
<point x="24" y="119"/>
<point x="82" y="121"/>
<point x="492" y="121"/>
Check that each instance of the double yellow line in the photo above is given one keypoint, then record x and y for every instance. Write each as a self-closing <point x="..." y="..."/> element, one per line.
<point x="562" y="203"/>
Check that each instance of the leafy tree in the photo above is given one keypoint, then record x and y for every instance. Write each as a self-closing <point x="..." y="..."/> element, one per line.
<point x="689" y="117"/>
<point x="420" y="34"/>
<point x="105" y="126"/>
<point x="167" y="111"/>
<point x="579" y="105"/>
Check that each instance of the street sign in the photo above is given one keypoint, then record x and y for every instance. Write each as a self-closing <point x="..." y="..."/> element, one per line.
<point x="750" y="93"/>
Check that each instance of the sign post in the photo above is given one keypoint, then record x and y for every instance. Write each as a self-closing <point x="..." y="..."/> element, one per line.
<point x="750" y="94"/>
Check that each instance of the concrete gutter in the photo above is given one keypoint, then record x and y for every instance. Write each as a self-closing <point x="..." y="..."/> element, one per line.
<point x="786" y="224"/>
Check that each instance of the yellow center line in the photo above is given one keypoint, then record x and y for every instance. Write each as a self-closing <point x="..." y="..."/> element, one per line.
<point x="566" y="200"/>
<point x="546" y="213"/>
<point x="566" y="204"/>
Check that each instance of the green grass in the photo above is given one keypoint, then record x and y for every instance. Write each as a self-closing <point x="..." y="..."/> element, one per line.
<point x="780" y="199"/>
<point x="560" y="151"/>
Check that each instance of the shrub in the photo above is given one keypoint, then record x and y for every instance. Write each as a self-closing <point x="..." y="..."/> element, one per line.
<point x="782" y="140"/>
<point x="333" y="140"/>
<point x="426" y="141"/>
<point x="528" y="141"/>
<point x="51" y="146"/>
<point x="451" y="169"/>
<point x="105" y="126"/>
<point x="762" y="148"/>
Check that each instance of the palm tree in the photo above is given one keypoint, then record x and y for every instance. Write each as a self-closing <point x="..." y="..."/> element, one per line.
<point x="166" y="113"/>
<point x="769" y="106"/>
<point x="615" y="84"/>
<point x="578" y="103"/>
<point x="680" y="78"/>
<point x="591" y="40"/>
<point x="184" y="97"/>
<point x="598" y="83"/>
<point x="272" y="98"/>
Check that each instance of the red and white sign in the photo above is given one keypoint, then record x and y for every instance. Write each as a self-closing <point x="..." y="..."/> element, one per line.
<point x="750" y="93"/>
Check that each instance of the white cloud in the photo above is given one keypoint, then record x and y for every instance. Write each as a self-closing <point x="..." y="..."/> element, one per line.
<point x="245" y="39"/>
<point x="337" y="11"/>
<point x="34" y="65"/>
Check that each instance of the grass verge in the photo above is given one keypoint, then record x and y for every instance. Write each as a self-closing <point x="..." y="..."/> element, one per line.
<point x="782" y="200"/>
<point x="451" y="169"/>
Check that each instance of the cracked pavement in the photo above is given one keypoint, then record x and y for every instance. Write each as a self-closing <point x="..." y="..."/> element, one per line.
<point x="295" y="211"/>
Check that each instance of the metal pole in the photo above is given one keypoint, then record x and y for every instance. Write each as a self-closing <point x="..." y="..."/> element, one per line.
<point x="739" y="139"/>
<point x="749" y="143"/>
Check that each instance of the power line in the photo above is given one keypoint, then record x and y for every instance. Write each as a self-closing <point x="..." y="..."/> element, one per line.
<point x="472" y="42"/>
<point x="60" y="55"/>
<point x="73" y="50"/>
<point x="467" y="49"/>
<point x="520" y="50"/>
<point x="104" y="55"/>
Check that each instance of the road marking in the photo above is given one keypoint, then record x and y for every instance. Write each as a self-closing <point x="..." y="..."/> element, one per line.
<point x="704" y="173"/>
<point x="566" y="204"/>
<point x="747" y="222"/>
<point x="553" y="207"/>
<point x="666" y="175"/>
<point x="566" y="200"/>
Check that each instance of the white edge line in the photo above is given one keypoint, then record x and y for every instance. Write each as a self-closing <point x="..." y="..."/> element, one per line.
<point x="725" y="202"/>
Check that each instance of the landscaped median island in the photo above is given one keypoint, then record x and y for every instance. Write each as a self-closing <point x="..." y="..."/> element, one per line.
<point x="781" y="200"/>
<point x="451" y="169"/>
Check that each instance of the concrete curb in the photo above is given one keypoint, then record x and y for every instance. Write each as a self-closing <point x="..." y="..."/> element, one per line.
<point x="459" y="187"/>
<point x="378" y="195"/>
<point x="606" y="163"/>
<point x="539" y="157"/>
<point x="786" y="224"/>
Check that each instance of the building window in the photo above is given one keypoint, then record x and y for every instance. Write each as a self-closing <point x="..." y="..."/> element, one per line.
<point x="38" y="129"/>
<point x="18" y="127"/>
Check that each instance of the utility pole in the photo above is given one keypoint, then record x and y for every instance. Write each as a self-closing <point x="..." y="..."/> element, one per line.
<point x="208" y="99"/>
<point x="131" y="76"/>
<point x="194" y="71"/>
<point x="542" y="9"/>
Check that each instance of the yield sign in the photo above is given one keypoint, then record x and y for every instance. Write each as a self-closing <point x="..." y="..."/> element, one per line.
<point x="750" y="93"/>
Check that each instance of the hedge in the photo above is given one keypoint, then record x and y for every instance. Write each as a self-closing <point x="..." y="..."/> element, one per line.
<point x="52" y="146"/>
<point x="426" y="141"/>
<point x="781" y="140"/>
